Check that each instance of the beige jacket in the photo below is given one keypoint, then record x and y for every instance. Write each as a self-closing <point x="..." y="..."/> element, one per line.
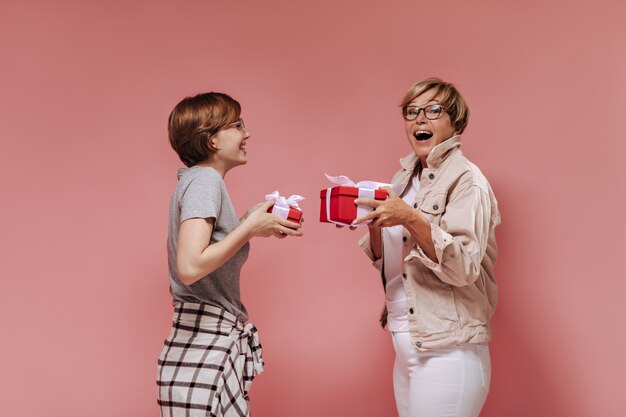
<point x="451" y="301"/>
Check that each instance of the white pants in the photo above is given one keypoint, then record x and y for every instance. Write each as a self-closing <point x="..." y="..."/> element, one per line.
<point x="450" y="382"/>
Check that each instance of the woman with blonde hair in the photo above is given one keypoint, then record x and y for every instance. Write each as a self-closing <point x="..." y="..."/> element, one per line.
<point x="435" y="246"/>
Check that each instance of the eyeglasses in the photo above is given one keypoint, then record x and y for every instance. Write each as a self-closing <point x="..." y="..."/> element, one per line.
<point x="431" y="112"/>
<point x="239" y="125"/>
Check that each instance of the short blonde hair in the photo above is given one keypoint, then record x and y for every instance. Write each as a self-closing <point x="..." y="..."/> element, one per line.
<point x="447" y="95"/>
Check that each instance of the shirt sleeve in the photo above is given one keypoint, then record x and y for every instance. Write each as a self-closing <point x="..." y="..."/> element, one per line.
<point x="461" y="238"/>
<point x="202" y="198"/>
<point x="364" y="243"/>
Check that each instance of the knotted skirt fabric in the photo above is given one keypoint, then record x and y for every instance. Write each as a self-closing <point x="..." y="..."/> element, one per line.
<point x="207" y="363"/>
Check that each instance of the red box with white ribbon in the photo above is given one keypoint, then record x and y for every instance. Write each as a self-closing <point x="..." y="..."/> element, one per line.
<point x="285" y="208"/>
<point x="337" y="203"/>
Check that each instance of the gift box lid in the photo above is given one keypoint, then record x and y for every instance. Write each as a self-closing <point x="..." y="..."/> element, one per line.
<point x="342" y="190"/>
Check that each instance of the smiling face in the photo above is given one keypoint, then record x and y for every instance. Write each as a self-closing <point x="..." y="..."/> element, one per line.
<point x="196" y="122"/>
<point x="230" y="143"/>
<point x="424" y="134"/>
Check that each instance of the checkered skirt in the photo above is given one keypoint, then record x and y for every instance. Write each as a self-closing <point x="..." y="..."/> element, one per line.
<point x="207" y="363"/>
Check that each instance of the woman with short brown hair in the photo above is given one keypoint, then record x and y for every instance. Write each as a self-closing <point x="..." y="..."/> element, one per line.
<point x="212" y="354"/>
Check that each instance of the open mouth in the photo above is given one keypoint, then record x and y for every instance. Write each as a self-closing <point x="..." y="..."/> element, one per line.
<point x="422" y="135"/>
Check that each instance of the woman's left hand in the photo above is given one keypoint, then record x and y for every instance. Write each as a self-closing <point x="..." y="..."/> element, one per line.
<point x="390" y="212"/>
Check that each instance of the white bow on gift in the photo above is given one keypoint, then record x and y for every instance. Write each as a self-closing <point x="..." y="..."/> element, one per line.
<point x="342" y="180"/>
<point x="282" y="204"/>
<point x="367" y="189"/>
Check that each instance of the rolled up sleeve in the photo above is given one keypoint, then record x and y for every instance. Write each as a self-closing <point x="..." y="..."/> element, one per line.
<point x="364" y="243"/>
<point x="461" y="238"/>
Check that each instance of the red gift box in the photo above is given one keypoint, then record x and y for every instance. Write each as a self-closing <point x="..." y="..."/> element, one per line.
<point x="294" y="215"/>
<point x="342" y="207"/>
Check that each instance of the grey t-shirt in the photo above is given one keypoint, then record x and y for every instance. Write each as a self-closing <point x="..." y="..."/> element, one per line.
<point x="201" y="193"/>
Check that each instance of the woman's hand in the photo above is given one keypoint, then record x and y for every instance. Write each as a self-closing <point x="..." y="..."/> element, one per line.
<point x="249" y="212"/>
<point x="394" y="211"/>
<point x="260" y="223"/>
<point x="195" y="257"/>
<point x="390" y="212"/>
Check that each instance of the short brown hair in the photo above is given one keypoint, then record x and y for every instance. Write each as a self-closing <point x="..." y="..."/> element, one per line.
<point x="447" y="95"/>
<point x="195" y="119"/>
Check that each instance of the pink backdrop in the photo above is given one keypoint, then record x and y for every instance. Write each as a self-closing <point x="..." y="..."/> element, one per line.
<point x="86" y="175"/>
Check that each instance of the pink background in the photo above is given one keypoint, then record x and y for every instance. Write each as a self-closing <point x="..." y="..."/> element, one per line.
<point x="87" y="172"/>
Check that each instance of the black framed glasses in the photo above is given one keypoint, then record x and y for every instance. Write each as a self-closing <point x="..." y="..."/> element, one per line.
<point x="432" y="112"/>
<point x="239" y="125"/>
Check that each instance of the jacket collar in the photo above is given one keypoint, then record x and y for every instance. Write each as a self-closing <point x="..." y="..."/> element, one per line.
<point x="436" y="156"/>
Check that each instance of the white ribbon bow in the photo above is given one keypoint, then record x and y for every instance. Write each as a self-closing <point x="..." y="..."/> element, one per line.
<point x="282" y="204"/>
<point x="281" y="201"/>
<point x="345" y="181"/>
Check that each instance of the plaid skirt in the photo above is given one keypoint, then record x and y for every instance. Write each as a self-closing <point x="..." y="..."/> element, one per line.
<point x="207" y="363"/>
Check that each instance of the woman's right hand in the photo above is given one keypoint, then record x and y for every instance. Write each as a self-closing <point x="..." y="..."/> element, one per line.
<point x="263" y="224"/>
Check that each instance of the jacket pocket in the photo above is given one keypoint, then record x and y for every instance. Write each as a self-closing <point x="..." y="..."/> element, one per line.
<point x="437" y="308"/>
<point x="433" y="206"/>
